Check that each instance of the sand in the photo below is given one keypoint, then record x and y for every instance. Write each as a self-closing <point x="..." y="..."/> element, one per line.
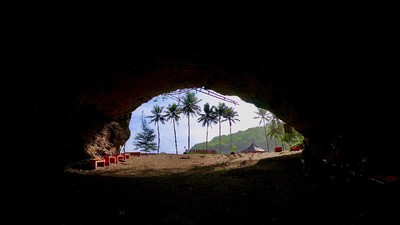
<point x="161" y="164"/>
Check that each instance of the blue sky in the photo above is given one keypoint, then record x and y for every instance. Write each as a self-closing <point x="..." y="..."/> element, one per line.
<point x="246" y="116"/>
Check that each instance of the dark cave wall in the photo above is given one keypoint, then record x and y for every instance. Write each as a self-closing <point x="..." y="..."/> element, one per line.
<point x="81" y="95"/>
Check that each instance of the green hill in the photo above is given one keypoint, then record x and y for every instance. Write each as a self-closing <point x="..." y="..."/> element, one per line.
<point x="241" y="139"/>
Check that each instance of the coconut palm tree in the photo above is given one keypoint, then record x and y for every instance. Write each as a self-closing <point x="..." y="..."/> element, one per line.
<point x="229" y="116"/>
<point x="190" y="108"/>
<point x="172" y="113"/>
<point x="207" y="118"/>
<point x="264" y="117"/>
<point x="220" y="110"/>
<point x="275" y="128"/>
<point x="156" y="118"/>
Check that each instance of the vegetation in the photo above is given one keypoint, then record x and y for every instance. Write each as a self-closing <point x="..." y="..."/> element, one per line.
<point x="244" y="139"/>
<point x="292" y="139"/>
<point x="207" y="118"/>
<point x="156" y="118"/>
<point x="262" y="114"/>
<point x="229" y="116"/>
<point x="273" y="127"/>
<point x="275" y="130"/>
<point x="220" y="111"/>
<point x="144" y="140"/>
<point x="233" y="148"/>
<point x="172" y="114"/>
<point x="190" y="108"/>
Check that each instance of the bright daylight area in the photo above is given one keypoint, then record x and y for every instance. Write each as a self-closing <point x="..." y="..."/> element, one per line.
<point x="249" y="125"/>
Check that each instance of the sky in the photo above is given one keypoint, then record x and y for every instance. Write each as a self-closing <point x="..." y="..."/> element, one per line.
<point x="246" y="114"/>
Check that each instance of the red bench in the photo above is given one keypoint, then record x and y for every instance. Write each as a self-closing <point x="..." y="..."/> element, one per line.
<point x="94" y="163"/>
<point x="109" y="159"/>
<point x="135" y="153"/>
<point x="126" y="155"/>
<point x="119" y="157"/>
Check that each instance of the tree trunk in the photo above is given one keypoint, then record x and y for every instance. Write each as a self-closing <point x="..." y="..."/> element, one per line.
<point x="266" y="137"/>
<point x="230" y="135"/>
<point x="176" y="143"/>
<point x="219" y="136"/>
<point x="158" y="138"/>
<point x="207" y="139"/>
<point x="188" y="133"/>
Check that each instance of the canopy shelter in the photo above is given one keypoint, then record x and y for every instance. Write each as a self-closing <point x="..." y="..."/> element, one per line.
<point x="252" y="149"/>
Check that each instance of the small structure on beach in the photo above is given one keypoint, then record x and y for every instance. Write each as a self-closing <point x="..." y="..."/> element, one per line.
<point x="253" y="148"/>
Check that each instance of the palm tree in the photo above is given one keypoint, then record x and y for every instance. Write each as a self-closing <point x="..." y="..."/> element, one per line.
<point x="220" y="110"/>
<point x="172" y="113"/>
<point x="157" y="118"/>
<point x="208" y="118"/>
<point x="264" y="118"/>
<point x="190" y="108"/>
<point x="229" y="116"/>
<point x="275" y="129"/>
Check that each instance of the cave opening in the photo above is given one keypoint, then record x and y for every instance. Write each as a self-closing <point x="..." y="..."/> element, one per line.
<point x="248" y="116"/>
<point x="308" y="88"/>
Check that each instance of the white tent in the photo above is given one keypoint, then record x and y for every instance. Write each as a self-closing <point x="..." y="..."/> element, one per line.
<point x="252" y="149"/>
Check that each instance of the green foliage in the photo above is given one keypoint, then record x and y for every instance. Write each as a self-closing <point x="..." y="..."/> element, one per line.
<point x="265" y="117"/>
<point x="189" y="105"/>
<point x="156" y="118"/>
<point x="230" y="116"/>
<point x="144" y="141"/>
<point x="207" y="118"/>
<point x="190" y="108"/>
<point x="220" y="111"/>
<point x="244" y="139"/>
<point x="233" y="148"/>
<point x="172" y="114"/>
<point x="275" y="130"/>
<point x="292" y="139"/>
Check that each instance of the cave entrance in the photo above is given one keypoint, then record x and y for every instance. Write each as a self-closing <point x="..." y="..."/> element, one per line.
<point x="249" y="125"/>
<point x="110" y="102"/>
